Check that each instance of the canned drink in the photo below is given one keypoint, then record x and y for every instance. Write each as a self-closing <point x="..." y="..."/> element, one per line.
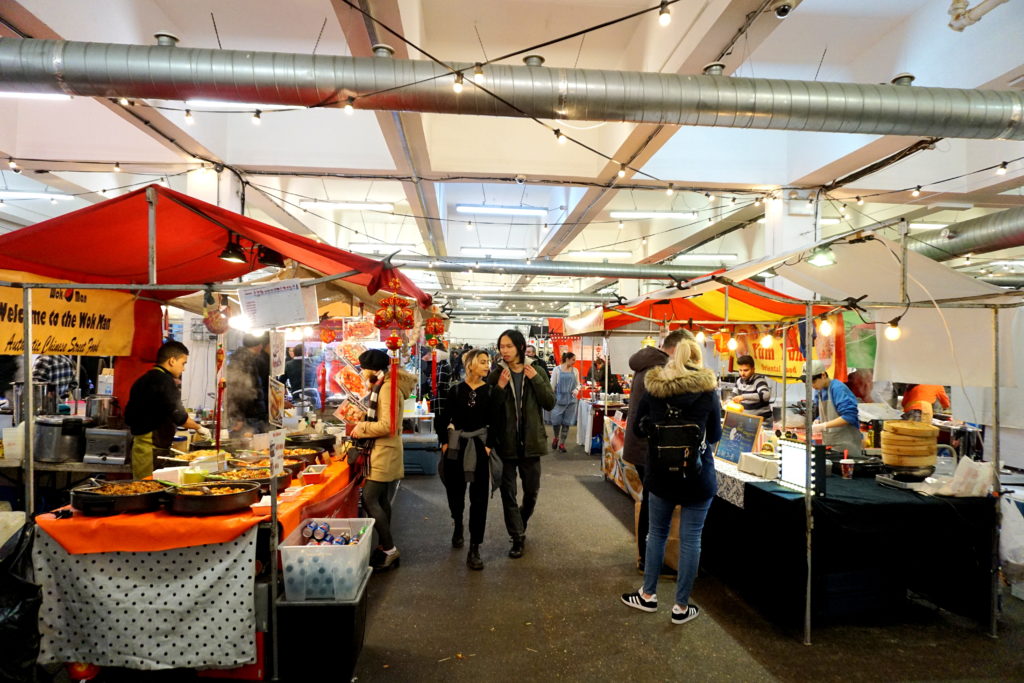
<point x="307" y="531"/>
<point x="340" y="540"/>
<point x="328" y="538"/>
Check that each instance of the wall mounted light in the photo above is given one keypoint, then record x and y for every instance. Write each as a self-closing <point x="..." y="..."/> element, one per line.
<point x="821" y="257"/>
<point x="233" y="251"/>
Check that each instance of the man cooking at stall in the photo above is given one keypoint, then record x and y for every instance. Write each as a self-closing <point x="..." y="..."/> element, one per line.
<point x="154" y="410"/>
<point x="837" y="418"/>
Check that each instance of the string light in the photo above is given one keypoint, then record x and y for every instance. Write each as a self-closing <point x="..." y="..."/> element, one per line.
<point x="733" y="199"/>
<point x="916" y="192"/>
<point x="825" y="328"/>
<point x="967" y="260"/>
<point x="457" y="84"/>
<point x="1002" y="169"/>
<point x="707" y="195"/>
<point x="189" y="119"/>
<point x="670" y="190"/>
<point x="256" y="118"/>
<point x="731" y="344"/>
<point x="478" y="73"/>
<point x="561" y="138"/>
<point x="892" y="330"/>
<point x="545" y="228"/>
<point x="622" y="170"/>
<point x="621" y="225"/>
<point x="348" y="105"/>
<point x="699" y="337"/>
<point x="469" y="225"/>
<point x="860" y="202"/>
<point x="766" y="341"/>
<point x="117" y="167"/>
<point x="664" y="16"/>
<point x="757" y="201"/>
<point x="53" y="201"/>
<point x="123" y="101"/>
<point x="12" y="163"/>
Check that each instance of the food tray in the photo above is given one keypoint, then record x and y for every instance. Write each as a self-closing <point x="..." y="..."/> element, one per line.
<point x="185" y="504"/>
<point x="86" y="501"/>
<point x="331" y="572"/>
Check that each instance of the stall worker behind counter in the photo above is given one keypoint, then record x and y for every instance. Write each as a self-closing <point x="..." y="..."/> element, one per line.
<point x="837" y="419"/>
<point x="154" y="410"/>
<point x="929" y="393"/>
<point x="753" y="392"/>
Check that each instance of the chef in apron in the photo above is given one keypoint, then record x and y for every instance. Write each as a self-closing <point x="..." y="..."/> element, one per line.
<point x="837" y="420"/>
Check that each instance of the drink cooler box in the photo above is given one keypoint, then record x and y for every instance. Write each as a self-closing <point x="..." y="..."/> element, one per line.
<point x="420" y="453"/>
<point x="326" y="572"/>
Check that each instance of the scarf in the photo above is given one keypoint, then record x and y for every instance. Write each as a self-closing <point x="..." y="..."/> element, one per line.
<point x="470" y="456"/>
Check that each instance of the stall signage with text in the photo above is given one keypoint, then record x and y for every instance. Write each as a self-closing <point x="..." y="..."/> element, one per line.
<point x="78" y="322"/>
<point x="277" y="303"/>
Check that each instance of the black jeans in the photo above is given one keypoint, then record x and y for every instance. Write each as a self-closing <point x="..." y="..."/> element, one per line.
<point x="479" y="490"/>
<point x="643" y="517"/>
<point x="378" y="506"/>
<point x="517" y="516"/>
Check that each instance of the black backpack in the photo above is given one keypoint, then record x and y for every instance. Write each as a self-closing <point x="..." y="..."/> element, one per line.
<point x="675" y="446"/>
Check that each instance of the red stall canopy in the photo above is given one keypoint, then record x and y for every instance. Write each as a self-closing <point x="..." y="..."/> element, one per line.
<point x="108" y="242"/>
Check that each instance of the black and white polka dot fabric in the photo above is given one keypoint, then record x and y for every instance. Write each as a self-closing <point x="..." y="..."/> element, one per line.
<point x="187" y="607"/>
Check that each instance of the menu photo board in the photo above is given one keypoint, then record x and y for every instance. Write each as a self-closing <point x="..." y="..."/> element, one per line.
<point x="739" y="434"/>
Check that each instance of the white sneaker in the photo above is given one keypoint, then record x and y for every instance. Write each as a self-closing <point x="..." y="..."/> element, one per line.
<point x="681" y="616"/>
<point x="637" y="600"/>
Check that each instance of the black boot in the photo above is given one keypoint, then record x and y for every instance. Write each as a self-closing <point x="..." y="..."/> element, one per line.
<point x="516" y="551"/>
<point x="473" y="560"/>
<point x="457" y="540"/>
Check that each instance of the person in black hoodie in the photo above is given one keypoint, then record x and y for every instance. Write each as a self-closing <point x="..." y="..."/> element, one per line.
<point x="685" y="385"/>
<point x="634" y="448"/>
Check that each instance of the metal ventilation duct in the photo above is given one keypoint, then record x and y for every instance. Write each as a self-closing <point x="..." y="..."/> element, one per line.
<point x="555" y="297"/>
<point x="177" y="73"/>
<point x="462" y="264"/>
<point x="993" y="232"/>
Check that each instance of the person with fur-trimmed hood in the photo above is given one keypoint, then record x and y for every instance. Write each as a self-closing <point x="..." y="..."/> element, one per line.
<point x="685" y="385"/>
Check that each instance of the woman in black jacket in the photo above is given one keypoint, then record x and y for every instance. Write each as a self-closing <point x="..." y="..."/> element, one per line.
<point x="683" y="391"/>
<point x="466" y="444"/>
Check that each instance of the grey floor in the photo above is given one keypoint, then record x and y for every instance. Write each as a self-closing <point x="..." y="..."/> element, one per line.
<point x="555" y="614"/>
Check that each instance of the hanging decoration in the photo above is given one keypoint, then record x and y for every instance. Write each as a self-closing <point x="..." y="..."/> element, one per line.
<point x="433" y="331"/>
<point x="215" y="313"/>
<point x="395" y="312"/>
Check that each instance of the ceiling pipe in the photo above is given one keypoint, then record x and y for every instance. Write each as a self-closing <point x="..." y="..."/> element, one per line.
<point x="462" y="264"/>
<point x="507" y="313"/>
<point x="177" y="73"/>
<point x="554" y="297"/>
<point x="981" y="235"/>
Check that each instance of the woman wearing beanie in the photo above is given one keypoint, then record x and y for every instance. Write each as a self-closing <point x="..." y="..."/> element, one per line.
<point x="682" y="400"/>
<point x="386" y="463"/>
<point x="467" y="443"/>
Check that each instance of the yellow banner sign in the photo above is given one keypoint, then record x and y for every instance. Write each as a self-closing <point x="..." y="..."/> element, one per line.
<point x="76" y="322"/>
<point x="768" y="361"/>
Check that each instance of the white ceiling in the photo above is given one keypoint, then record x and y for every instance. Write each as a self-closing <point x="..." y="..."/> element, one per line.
<point x="325" y="154"/>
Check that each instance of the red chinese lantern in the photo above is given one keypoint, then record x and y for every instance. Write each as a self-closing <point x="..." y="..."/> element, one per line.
<point x="394" y="312"/>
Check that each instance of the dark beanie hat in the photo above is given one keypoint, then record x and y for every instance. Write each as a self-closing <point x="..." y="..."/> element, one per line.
<point x="374" y="359"/>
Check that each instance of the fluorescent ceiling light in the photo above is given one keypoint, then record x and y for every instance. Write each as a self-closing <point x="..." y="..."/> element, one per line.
<point x="493" y="251"/>
<point x="928" y="226"/>
<point x="485" y="288"/>
<point x="705" y="257"/>
<point x="829" y="221"/>
<point x="1000" y="263"/>
<point x="382" y="247"/>
<point x="34" y="96"/>
<point x="347" y="206"/>
<point x="22" y="194"/>
<point x="480" y="304"/>
<point x="653" y="214"/>
<point x="500" y="210"/>
<point x="602" y="254"/>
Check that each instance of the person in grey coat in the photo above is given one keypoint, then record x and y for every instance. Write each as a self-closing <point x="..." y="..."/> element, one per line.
<point x="634" y="448"/>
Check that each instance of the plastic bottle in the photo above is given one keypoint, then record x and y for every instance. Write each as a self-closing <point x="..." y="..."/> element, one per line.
<point x="945" y="462"/>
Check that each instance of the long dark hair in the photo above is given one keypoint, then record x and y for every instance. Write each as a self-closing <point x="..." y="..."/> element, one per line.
<point x="518" y="340"/>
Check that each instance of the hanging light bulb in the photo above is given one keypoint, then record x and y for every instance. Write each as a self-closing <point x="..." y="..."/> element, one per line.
<point x="478" y="73"/>
<point x="348" y="105"/>
<point x="256" y="118"/>
<point x="670" y="190"/>
<point x="892" y="330"/>
<point x="123" y="101"/>
<point x="12" y="163"/>
<point x="664" y="16"/>
<point x="457" y="84"/>
<point x="117" y="167"/>
<point x="561" y="138"/>
<point x="622" y="170"/>
<point x="707" y="195"/>
<point x="469" y="225"/>
<point x="643" y="241"/>
<point x="621" y="225"/>
<point x="53" y="201"/>
<point x="860" y="202"/>
<point x="916" y="192"/>
<point x="825" y="328"/>
<point x="766" y="341"/>
<point x="699" y="337"/>
<point x="757" y="201"/>
<point x="545" y="228"/>
<point x="189" y="119"/>
<point x="967" y="260"/>
<point x="733" y="201"/>
<point x="1002" y="169"/>
<point x="731" y="344"/>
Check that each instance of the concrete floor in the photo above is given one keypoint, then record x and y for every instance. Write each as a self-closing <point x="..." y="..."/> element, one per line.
<point x="555" y="614"/>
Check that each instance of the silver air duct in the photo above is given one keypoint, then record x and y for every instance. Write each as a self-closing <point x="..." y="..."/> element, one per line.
<point x="555" y="297"/>
<point x="177" y="73"/>
<point x="461" y="264"/>
<point x="993" y="232"/>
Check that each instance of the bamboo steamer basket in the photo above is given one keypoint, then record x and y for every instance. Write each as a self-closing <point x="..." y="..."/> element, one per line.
<point x="907" y="444"/>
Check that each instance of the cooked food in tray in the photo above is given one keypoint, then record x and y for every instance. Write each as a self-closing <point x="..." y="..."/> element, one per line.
<point x="127" y="488"/>
<point x="246" y="474"/>
<point x="194" y="455"/>
<point x="265" y="462"/>
<point x="213" y="491"/>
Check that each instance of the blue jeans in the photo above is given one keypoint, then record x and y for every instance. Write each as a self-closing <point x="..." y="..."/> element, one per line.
<point x="691" y="524"/>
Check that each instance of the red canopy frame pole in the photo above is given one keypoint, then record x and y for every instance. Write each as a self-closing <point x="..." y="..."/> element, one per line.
<point x="28" y="408"/>
<point x="151" y="201"/>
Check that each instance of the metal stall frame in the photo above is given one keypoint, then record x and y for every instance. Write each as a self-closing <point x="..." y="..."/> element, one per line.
<point x="970" y="302"/>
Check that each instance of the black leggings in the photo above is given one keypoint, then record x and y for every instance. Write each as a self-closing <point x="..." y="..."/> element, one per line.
<point x="479" y="490"/>
<point x="378" y="506"/>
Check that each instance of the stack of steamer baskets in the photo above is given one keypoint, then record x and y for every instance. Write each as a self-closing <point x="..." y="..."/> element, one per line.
<point x="909" y="447"/>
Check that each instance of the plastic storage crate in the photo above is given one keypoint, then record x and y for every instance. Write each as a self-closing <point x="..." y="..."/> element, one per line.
<point x="326" y="572"/>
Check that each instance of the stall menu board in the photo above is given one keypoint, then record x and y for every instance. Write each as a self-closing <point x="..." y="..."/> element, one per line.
<point x="739" y="432"/>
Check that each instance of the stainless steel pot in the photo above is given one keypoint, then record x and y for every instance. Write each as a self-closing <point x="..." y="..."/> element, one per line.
<point x="105" y="410"/>
<point x="44" y="402"/>
<point x="59" y="438"/>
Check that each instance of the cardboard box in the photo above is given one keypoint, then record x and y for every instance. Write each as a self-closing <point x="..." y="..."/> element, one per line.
<point x="759" y="466"/>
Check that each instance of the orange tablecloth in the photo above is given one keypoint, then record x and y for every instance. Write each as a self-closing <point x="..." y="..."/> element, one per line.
<point x="155" y="531"/>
